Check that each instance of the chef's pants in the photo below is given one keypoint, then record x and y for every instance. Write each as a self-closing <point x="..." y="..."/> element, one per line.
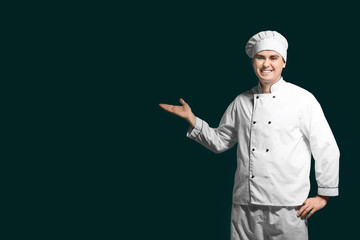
<point x="254" y="222"/>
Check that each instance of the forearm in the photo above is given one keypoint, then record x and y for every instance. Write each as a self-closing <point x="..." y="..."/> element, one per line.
<point x="215" y="139"/>
<point x="191" y="119"/>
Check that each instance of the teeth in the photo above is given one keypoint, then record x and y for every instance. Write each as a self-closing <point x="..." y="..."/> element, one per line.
<point x="266" y="71"/>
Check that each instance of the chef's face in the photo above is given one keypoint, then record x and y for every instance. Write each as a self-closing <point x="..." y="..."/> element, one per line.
<point x="268" y="66"/>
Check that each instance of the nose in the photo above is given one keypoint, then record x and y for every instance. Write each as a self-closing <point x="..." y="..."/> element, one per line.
<point x="266" y="63"/>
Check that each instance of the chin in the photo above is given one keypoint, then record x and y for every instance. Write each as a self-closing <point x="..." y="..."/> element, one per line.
<point x="269" y="79"/>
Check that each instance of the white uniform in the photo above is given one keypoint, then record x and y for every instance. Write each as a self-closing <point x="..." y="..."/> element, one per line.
<point x="255" y="222"/>
<point x="276" y="135"/>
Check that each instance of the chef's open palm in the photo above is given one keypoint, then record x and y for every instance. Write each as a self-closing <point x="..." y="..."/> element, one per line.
<point x="183" y="111"/>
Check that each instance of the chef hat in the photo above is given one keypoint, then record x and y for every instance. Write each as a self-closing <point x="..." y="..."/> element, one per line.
<point x="267" y="40"/>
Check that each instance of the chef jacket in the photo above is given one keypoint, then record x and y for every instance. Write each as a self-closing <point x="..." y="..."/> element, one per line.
<point x="276" y="135"/>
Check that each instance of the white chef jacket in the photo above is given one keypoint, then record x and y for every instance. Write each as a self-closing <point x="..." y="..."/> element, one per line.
<point x="276" y="135"/>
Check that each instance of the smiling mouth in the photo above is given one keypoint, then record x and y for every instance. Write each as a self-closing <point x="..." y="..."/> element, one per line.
<point x="266" y="71"/>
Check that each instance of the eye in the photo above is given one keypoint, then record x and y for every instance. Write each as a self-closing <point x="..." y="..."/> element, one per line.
<point x="274" y="58"/>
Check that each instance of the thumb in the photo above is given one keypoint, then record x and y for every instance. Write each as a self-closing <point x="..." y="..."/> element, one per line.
<point x="182" y="101"/>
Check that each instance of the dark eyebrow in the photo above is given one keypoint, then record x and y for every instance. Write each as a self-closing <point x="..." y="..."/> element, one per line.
<point x="275" y="55"/>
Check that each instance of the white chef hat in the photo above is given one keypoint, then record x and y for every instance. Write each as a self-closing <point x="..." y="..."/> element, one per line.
<point x="267" y="40"/>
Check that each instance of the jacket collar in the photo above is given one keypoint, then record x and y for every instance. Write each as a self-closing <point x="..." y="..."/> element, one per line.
<point x="275" y="87"/>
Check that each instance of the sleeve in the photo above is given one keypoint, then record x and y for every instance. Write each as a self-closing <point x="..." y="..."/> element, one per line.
<point x="323" y="148"/>
<point x="217" y="139"/>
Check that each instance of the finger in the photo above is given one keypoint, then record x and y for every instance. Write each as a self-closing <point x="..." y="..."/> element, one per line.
<point x="306" y="211"/>
<point x="164" y="106"/>
<point x="302" y="209"/>
<point x="310" y="213"/>
<point x="167" y="107"/>
<point x="182" y="101"/>
<point x="300" y="212"/>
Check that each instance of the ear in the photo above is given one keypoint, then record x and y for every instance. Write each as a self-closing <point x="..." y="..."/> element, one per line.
<point x="284" y="64"/>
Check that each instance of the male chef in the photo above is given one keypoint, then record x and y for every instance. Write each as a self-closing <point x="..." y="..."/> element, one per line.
<point x="277" y="126"/>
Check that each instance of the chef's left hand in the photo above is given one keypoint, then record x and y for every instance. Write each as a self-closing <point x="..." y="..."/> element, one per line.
<point x="311" y="205"/>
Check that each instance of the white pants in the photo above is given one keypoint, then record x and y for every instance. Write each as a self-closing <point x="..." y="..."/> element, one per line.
<point x="254" y="222"/>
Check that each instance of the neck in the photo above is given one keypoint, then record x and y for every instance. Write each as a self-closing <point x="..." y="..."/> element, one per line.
<point x="266" y="87"/>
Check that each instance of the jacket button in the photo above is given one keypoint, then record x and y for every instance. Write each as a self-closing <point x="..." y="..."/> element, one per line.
<point x="273" y="96"/>
<point x="254" y="122"/>
<point x="267" y="150"/>
<point x="253" y="149"/>
<point x="269" y="122"/>
<point x="257" y="97"/>
<point x="252" y="176"/>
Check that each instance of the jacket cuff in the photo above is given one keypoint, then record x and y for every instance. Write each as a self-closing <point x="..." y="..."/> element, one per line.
<point x="193" y="133"/>
<point x="323" y="191"/>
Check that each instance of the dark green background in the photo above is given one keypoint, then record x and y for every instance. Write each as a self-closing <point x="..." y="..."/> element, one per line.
<point x="103" y="161"/>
